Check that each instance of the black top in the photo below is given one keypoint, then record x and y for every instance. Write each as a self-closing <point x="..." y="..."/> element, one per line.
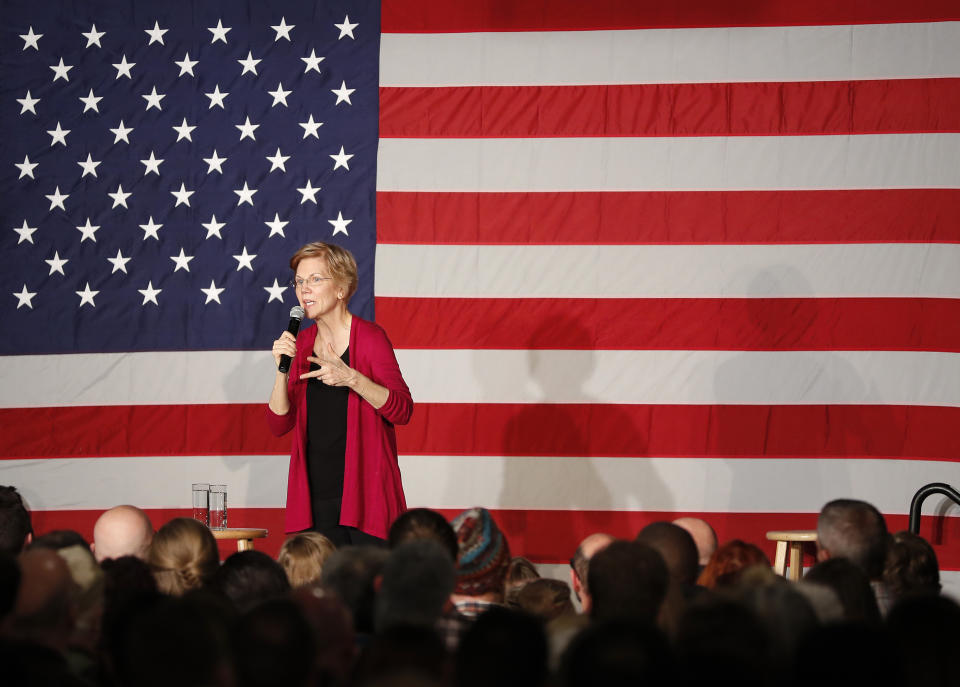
<point x="326" y="446"/>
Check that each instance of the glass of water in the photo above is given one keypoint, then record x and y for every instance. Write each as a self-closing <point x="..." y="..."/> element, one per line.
<point x="201" y="503"/>
<point x="218" y="506"/>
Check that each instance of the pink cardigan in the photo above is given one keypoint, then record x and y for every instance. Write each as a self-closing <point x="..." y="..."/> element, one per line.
<point x="372" y="491"/>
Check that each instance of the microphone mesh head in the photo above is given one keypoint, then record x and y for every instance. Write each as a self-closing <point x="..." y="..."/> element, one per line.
<point x="296" y="312"/>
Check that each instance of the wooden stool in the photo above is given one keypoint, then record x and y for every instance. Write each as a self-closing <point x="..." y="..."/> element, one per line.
<point x="793" y="539"/>
<point x="243" y="535"/>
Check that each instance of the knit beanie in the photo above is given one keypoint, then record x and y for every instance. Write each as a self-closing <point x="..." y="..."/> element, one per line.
<point x="483" y="553"/>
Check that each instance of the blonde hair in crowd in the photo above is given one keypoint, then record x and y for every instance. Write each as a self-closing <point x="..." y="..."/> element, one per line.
<point x="302" y="557"/>
<point x="340" y="262"/>
<point x="183" y="556"/>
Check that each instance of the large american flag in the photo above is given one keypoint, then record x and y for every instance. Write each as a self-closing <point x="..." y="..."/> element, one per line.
<point x="639" y="260"/>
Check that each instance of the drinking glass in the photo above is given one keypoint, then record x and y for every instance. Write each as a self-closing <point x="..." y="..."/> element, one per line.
<point x="201" y="503"/>
<point x="218" y="506"/>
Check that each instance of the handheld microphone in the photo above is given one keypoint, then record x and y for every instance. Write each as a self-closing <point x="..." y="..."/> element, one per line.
<point x="296" y="314"/>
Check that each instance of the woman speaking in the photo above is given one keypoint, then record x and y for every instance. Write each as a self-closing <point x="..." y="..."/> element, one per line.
<point x="342" y="396"/>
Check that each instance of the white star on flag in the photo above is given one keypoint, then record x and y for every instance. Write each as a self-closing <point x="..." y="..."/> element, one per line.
<point x="343" y="93"/>
<point x="247" y="129"/>
<point x="119" y="263"/>
<point x="308" y="192"/>
<point x="213" y="293"/>
<point x="213" y="227"/>
<point x="219" y="34"/>
<point x="186" y="65"/>
<point x="215" y="162"/>
<point x="26" y="167"/>
<point x="123" y="67"/>
<point x="312" y="62"/>
<point x="93" y="36"/>
<point x="121" y="133"/>
<point x="183" y="130"/>
<point x="182" y="196"/>
<point x="346" y="28"/>
<point x="149" y="294"/>
<point x="276" y="225"/>
<point x="277" y="161"/>
<point x="56" y="263"/>
<point x="59" y="135"/>
<point x="30" y="40"/>
<point x="28" y="104"/>
<point x="156" y="33"/>
<point x="216" y="98"/>
<point x="90" y="102"/>
<point x="89" y="166"/>
<point x="245" y="195"/>
<point x="249" y="64"/>
<point x="25" y="297"/>
<point x="119" y="197"/>
<point x="153" y="99"/>
<point x="310" y="128"/>
<point x="340" y="224"/>
<point x="275" y="291"/>
<point x="283" y="30"/>
<point x="152" y="164"/>
<point x="150" y="229"/>
<point x="341" y="159"/>
<point x="60" y="71"/>
<point x="88" y="231"/>
<point x="244" y="260"/>
<point x="182" y="261"/>
<point x="25" y="232"/>
<point x="279" y="96"/>
<point x="56" y="200"/>
<point x="87" y="296"/>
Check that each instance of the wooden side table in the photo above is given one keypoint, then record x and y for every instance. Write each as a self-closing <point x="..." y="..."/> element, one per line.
<point x="243" y="535"/>
<point x="794" y="540"/>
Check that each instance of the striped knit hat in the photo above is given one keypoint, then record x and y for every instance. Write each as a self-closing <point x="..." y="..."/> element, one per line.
<point x="483" y="553"/>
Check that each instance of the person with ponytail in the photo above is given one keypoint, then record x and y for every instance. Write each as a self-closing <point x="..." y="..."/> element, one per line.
<point x="183" y="556"/>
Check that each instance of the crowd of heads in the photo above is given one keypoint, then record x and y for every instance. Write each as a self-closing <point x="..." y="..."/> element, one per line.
<point x="447" y="603"/>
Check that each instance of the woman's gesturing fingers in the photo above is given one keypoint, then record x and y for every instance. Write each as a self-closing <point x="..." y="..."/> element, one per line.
<point x="333" y="371"/>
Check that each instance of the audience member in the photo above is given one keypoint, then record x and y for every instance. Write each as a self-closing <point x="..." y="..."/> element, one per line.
<point x="520" y="571"/>
<point x="580" y="564"/>
<point x="482" y="561"/>
<point x="729" y="562"/>
<point x="855" y="530"/>
<point x="183" y="556"/>
<point x="423" y="523"/>
<point x="785" y="614"/>
<point x="417" y="581"/>
<point x="403" y="656"/>
<point x="703" y="536"/>
<point x="925" y="634"/>
<point x="45" y="607"/>
<point x="302" y="557"/>
<point x="336" y="645"/>
<point x="58" y="539"/>
<point x="350" y="573"/>
<point x="273" y="645"/>
<point x="845" y="654"/>
<point x="679" y="552"/>
<point x="544" y="598"/>
<point x="502" y="647"/>
<point x="851" y="586"/>
<point x="16" y="531"/>
<point x="122" y="531"/>
<point x="618" y="653"/>
<point x="9" y="584"/>
<point x="250" y="577"/>
<point x="627" y="580"/>
<point x="911" y="566"/>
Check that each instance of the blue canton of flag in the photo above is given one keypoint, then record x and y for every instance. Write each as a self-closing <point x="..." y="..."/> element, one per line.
<point x="162" y="161"/>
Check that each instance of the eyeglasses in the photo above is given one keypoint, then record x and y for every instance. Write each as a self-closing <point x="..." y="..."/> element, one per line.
<point x="313" y="280"/>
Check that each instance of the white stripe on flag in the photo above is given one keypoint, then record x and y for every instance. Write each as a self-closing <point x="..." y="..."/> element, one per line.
<point x="512" y="376"/>
<point x="669" y="271"/>
<point x="692" y="163"/>
<point x="707" y="55"/>
<point x="549" y="483"/>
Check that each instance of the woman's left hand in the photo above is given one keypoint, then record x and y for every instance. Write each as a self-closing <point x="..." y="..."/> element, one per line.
<point x="333" y="371"/>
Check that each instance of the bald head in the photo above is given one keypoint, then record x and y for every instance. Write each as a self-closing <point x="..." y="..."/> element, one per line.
<point x="122" y="531"/>
<point x="703" y="536"/>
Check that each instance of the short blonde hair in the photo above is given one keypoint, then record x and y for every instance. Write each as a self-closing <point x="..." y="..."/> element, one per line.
<point x="302" y="557"/>
<point x="340" y="262"/>
<point x="183" y="556"/>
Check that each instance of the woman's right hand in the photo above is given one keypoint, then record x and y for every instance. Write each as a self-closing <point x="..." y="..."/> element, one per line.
<point x="285" y="345"/>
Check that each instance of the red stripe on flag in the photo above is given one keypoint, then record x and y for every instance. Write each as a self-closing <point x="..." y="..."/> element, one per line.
<point x="516" y="429"/>
<point x="707" y="109"/>
<point x="430" y="16"/>
<point x="712" y="431"/>
<point x="550" y="536"/>
<point x="672" y="217"/>
<point x="772" y="324"/>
